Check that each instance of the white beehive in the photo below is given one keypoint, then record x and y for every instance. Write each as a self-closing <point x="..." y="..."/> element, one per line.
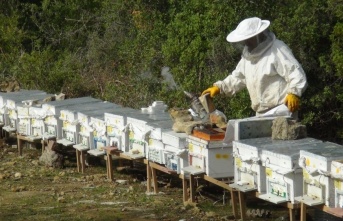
<point x="138" y="132"/>
<point x="155" y="129"/>
<point x="71" y="126"/>
<point x="175" y="158"/>
<point x="155" y="147"/>
<point x="283" y="174"/>
<point x="116" y="127"/>
<point x="337" y="176"/>
<point x="318" y="186"/>
<point x="175" y="151"/>
<point x="52" y="123"/>
<point x="92" y="128"/>
<point x="37" y="116"/>
<point x="137" y="136"/>
<point x="20" y="103"/>
<point x="249" y="172"/>
<point x="210" y="157"/>
<point x="24" y="121"/>
<point x="7" y="95"/>
<point x="155" y="151"/>
<point x="99" y="135"/>
<point x="174" y="139"/>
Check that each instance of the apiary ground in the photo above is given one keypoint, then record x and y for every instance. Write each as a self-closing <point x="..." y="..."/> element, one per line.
<point x="31" y="191"/>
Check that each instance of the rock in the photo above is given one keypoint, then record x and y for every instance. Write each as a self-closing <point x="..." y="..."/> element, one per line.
<point x="35" y="162"/>
<point x="17" y="175"/>
<point x="210" y="214"/>
<point x="51" y="158"/>
<point x="61" y="199"/>
<point x="121" y="181"/>
<point x="286" y="129"/>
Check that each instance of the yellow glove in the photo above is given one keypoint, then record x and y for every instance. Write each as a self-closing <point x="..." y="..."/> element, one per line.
<point x="292" y="102"/>
<point x="213" y="91"/>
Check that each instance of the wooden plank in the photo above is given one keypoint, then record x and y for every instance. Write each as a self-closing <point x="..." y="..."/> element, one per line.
<point x="161" y="168"/>
<point x="217" y="182"/>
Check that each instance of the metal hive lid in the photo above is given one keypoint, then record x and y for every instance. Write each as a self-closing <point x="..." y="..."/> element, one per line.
<point x="71" y="102"/>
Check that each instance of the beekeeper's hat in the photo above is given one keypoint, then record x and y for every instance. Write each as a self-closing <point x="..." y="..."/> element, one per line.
<point x="248" y="28"/>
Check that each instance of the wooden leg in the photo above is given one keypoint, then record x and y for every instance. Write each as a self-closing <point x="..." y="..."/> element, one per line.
<point x="78" y="161"/>
<point x="242" y="205"/>
<point x="83" y="161"/>
<point x="303" y="211"/>
<point x="291" y="214"/>
<point x="43" y="145"/>
<point x="184" y="187"/>
<point x="154" y="179"/>
<point x="234" y="203"/>
<point x="20" y="149"/>
<point x="109" y="167"/>
<point x="148" y="175"/>
<point x="192" y="188"/>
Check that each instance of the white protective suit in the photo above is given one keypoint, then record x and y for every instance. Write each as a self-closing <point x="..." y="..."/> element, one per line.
<point x="269" y="72"/>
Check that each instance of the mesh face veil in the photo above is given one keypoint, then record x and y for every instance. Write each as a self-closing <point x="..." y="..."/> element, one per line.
<point x="252" y="42"/>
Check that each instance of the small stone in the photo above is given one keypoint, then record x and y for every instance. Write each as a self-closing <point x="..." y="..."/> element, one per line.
<point x="210" y="214"/>
<point x="121" y="181"/>
<point x="35" y="162"/>
<point x="17" y="175"/>
<point x="61" y="199"/>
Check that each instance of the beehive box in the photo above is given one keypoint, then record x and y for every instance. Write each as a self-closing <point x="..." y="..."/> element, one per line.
<point x="3" y="99"/>
<point x="37" y="116"/>
<point x="139" y="132"/>
<point x="210" y="157"/>
<point x="17" y="103"/>
<point x="249" y="172"/>
<point x="99" y="135"/>
<point x="52" y="123"/>
<point x="92" y="127"/>
<point x="116" y="127"/>
<point x="175" y="150"/>
<point x="283" y="175"/>
<point x="155" y="129"/>
<point x="318" y="186"/>
<point x="155" y="147"/>
<point x="155" y="151"/>
<point x="70" y="125"/>
<point x="175" y="140"/>
<point x="137" y="136"/>
<point x="175" y="158"/>
<point x="337" y="176"/>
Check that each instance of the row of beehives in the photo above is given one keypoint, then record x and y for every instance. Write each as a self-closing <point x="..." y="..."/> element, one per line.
<point x="88" y="124"/>
<point x="305" y="170"/>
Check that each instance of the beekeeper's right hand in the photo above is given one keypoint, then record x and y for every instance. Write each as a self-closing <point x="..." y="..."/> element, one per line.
<point x="213" y="91"/>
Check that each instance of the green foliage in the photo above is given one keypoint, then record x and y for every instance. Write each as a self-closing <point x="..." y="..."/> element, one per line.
<point x="115" y="50"/>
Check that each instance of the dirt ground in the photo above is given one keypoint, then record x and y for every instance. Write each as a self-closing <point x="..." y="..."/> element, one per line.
<point x="31" y="191"/>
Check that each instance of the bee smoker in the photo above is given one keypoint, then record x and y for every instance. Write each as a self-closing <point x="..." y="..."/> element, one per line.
<point x="197" y="106"/>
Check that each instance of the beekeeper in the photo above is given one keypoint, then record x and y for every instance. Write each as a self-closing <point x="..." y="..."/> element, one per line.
<point x="267" y="69"/>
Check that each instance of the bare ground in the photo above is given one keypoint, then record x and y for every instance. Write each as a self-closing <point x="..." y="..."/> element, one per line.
<point x="31" y="191"/>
